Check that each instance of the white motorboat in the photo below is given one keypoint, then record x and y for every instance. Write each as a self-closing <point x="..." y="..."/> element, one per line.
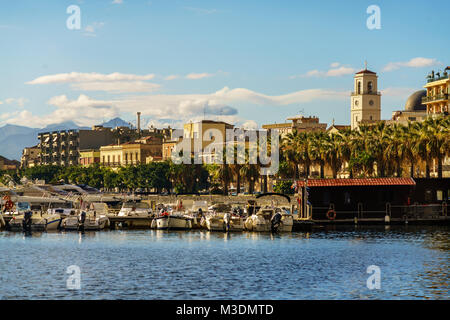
<point x="269" y="219"/>
<point x="63" y="209"/>
<point x="136" y="210"/>
<point x="197" y="212"/>
<point x="92" y="222"/>
<point x="39" y="221"/>
<point x="224" y="221"/>
<point x="171" y="220"/>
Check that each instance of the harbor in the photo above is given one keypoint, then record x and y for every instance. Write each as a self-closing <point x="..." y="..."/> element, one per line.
<point x="270" y="212"/>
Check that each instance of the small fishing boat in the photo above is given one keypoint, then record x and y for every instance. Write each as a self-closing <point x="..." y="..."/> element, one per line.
<point x="169" y="219"/>
<point x="270" y="218"/>
<point x="197" y="212"/>
<point x="85" y="221"/>
<point x="221" y="218"/>
<point x="141" y="211"/>
<point x="34" y="221"/>
<point x="63" y="209"/>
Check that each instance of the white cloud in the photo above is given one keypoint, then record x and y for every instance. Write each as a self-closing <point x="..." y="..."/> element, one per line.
<point x="88" y="77"/>
<point x="117" y="2"/>
<point x="336" y="70"/>
<point x="172" y="77"/>
<point x="196" y="76"/>
<point x="116" y="86"/>
<point x="20" y="102"/>
<point x="418" y="62"/>
<point x="221" y="105"/>
<point x="250" y="125"/>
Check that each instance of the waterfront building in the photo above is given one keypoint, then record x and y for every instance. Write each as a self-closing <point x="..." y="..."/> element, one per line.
<point x="89" y="157"/>
<point x="30" y="157"/>
<point x="63" y="147"/>
<point x="299" y="123"/>
<point x="438" y="89"/>
<point x="141" y="151"/>
<point x="365" y="99"/>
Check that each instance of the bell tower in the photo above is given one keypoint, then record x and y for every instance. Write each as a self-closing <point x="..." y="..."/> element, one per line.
<point x="365" y="99"/>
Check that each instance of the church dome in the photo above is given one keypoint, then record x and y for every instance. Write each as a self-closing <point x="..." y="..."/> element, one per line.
<point x="414" y="102"/>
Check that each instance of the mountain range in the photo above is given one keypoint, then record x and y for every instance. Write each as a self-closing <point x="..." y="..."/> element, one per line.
<point x="14" y="138"/>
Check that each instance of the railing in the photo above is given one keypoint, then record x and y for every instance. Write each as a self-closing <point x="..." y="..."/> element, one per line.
<point x="416" y="211"/>
<point x="441" y="96"/>
<point x="438" y="78"/>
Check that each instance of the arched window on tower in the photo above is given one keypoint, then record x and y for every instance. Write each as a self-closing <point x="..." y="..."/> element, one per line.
<point x="370" y="87"/>
<point x="358" y="90"/>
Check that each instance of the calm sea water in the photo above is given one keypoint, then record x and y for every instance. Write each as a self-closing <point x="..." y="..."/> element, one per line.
<point x="324" y="264"/>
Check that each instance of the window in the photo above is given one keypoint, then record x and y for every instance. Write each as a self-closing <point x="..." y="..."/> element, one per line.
<point x="359" y="87"/>
<point x="439" y="195"/>
<point x="370" y="87"/>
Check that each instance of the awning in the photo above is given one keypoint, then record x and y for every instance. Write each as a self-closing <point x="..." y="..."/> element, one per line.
<point x="358" y="182"/>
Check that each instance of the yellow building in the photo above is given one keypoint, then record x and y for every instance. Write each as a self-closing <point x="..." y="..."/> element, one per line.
<point x="437" y="87"/>
<point x="129" y="153"/>
<point x="89" y="157"/>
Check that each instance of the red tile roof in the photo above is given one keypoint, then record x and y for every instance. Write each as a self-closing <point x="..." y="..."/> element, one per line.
<point x="358" y="182"/>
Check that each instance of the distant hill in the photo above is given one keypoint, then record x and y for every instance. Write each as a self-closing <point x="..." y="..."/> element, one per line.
<point x="14" y="138"/>
<point x="116" y="122"/>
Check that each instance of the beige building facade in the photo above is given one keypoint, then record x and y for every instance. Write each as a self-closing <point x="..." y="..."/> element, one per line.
<point x="365" y="99"/>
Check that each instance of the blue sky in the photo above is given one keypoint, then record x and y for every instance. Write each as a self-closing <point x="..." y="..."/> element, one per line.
<point x="239" y="61"/>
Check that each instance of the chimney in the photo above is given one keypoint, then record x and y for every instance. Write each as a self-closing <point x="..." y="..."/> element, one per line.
<point x="138" y="123"/>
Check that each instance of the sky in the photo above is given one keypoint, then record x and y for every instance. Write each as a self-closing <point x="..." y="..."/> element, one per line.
<point x="245" y="62"/>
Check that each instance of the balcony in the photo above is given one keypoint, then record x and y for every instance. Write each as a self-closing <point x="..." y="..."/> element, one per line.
<point x="437" y="97"/>
<point x="373" y="93"/>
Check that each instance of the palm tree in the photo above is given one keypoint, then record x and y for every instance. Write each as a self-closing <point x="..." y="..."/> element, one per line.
<point x="392" y="139"/>
<point x="291" y="150"/>
<point x="433" y="142"/>
<point x="332" y="153"/>
<point x="317" y="150"/>
<point x="408" y="138"/>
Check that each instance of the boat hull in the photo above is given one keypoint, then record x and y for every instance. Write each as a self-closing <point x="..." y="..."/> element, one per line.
<point x="216" y="224"/>
<point x="172" y="223"/>
<point x="72" y="224"/>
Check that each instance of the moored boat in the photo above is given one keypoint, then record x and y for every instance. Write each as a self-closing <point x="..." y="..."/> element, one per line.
<point x="85" y="221"/>
<point x="168" y="219"/>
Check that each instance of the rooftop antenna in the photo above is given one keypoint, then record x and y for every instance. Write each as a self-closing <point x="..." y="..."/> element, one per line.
<point x="365" y="64"/>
